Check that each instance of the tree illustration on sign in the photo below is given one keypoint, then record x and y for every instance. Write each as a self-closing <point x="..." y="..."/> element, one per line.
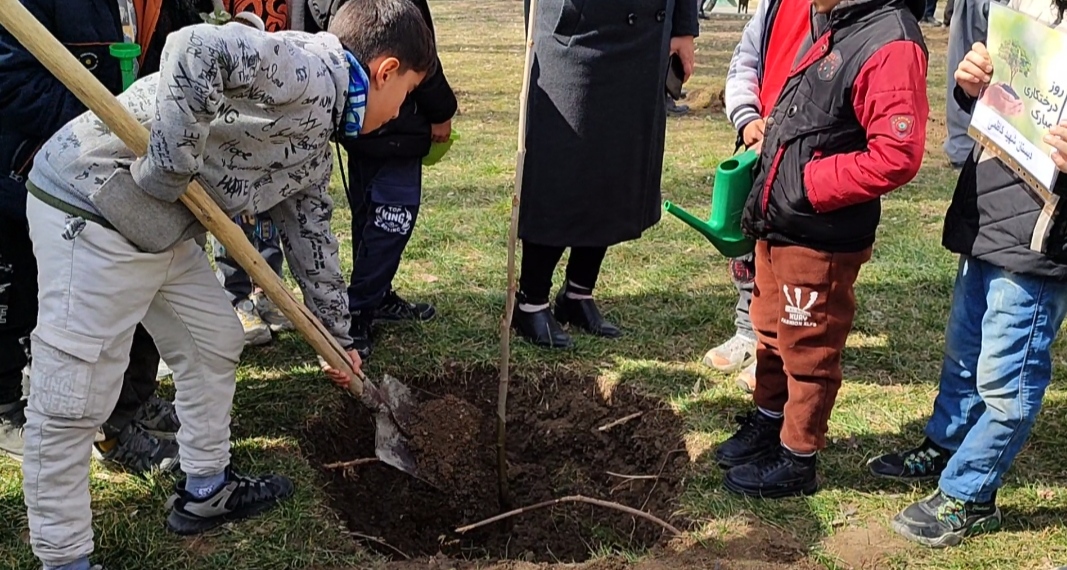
<point x="1017" y="58"/>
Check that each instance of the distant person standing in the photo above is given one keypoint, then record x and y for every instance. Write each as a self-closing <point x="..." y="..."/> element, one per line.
<point x="930" y="16"/>
<point x="970" y="20"/>
<point x="259" y="315"/>
<point x="595" y="134"/>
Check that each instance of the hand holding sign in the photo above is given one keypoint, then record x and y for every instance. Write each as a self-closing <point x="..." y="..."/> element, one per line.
<point x="975" y="71"/>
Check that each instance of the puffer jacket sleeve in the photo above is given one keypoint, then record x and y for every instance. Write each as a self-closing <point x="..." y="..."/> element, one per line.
<point x="31" y="98"/>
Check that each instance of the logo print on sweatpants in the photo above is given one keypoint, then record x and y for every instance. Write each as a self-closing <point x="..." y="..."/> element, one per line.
<point x="797" y="307"/>
<point x="393" y="219"/>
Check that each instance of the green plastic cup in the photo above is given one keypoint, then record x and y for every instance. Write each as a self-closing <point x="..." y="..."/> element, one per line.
<point x="126" y="53"/>
<point x="438" y="150"/>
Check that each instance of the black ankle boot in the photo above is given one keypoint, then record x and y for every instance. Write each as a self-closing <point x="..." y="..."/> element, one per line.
<point x="584" y="314"/>
<point x="756" y="437"/>
<point x="539" y="327"/>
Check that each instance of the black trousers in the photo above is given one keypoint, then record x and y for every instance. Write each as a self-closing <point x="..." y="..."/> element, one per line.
<point x="384" y="195"/>
<point x="539" y="262"/>
<point x="18" y="317"/>
<point x="18" y="304"/>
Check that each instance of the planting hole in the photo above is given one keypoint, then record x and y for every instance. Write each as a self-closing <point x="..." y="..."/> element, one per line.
<point x="555" y="449"/>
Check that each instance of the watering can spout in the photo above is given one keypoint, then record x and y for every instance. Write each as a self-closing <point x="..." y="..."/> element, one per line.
<point x="733" y="182"/>
<point x="694" y="222"/>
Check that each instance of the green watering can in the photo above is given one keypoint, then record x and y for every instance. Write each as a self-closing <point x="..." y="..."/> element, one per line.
<point x="733" y="183"/>
<point x="126" y="53"/>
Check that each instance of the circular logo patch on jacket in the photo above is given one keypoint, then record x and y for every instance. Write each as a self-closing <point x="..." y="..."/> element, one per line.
<point x="902" y="125"/>
<point x="829" y="65"/>
<point x="90" y="60"/>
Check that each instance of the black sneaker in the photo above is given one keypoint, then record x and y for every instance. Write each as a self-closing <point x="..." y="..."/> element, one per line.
<point x="921" y="463"/>
<point x="137" y="451"/>
<point x="360" y="332"/>
<point x="758" y="436"/>
<point x="157" y="417"/>
<point x="239" y="497"/>
<point x="12" y="420"/>
<point x="774" y="476"/>
<point x="394" y="308"/>
<point x="939" y="520"/>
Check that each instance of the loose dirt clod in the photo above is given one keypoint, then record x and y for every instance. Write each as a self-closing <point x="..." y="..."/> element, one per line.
<point x="442" y="437"/>
<point x="554" y="449"/>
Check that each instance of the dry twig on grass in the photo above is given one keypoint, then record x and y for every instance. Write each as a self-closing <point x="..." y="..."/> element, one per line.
<point x="574" y="499"/>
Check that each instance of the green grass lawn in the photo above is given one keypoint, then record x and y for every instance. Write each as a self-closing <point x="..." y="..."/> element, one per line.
<point x="672" y="293"/>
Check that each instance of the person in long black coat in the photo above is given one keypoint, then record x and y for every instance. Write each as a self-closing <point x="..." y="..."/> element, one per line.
<point x="595" y="134"/>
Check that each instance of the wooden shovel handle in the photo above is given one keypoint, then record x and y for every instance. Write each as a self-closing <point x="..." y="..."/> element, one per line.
<point x="40" y="42"/>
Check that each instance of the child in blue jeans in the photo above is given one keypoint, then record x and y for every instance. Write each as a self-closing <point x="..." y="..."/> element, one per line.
<point x="1007" y="307"/>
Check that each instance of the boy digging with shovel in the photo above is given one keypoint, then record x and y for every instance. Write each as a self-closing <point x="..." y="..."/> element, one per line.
<point x="250" y="116"/>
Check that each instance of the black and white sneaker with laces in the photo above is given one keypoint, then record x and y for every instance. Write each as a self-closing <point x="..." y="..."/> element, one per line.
<point x="157" y="417"/>
<point x="757" y="436"/>
<point x="926" y="461"/>
<point x="940" y="520"/>
<point x="136" y="451"/>
<point x="394" y="308"/>
<point x="239" y="497"/>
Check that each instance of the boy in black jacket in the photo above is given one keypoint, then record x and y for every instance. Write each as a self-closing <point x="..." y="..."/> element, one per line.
<point x="33" y="106"/>
<point x="385" y="192"/>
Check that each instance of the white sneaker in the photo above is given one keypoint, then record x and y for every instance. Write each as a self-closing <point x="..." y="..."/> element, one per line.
<point x="257" y="333"/>
<point x="732" y="355"/>
<point x="746" y="380"/>
<point x="270" y="313"/>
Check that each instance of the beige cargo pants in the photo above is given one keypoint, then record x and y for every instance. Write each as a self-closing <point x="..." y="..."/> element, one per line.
<point x="95" y="286"/>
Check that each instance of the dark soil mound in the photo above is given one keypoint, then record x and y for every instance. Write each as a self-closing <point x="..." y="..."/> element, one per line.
<point x="561" y="441"/>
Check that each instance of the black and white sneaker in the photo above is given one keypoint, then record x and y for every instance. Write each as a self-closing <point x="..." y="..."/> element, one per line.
<point x="136" y="451"/>
<point x="394" y="308"/>
<point x="12" y="422"/>
<point x="240" y="497"/>
<point x="157" y="417"/>
<point x="926" y="461"/>
<point x="940" y="520"/>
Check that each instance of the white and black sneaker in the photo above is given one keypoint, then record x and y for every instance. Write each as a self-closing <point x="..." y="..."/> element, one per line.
<point x="157" y="417"/>
<point x="395" y="308"/>
<point x="12" y="422"/>
<point x="239" y="497"/>
<point x="138" y="452"/>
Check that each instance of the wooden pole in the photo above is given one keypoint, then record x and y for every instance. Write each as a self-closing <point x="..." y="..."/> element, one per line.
<point x="513" y="238"/>
<point x="40" y="42"/>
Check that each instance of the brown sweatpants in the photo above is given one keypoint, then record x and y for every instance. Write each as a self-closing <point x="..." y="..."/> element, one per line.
<point x="802" y="310"/>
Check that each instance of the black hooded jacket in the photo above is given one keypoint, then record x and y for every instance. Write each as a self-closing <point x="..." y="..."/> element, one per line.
<point x="408" y="135"/>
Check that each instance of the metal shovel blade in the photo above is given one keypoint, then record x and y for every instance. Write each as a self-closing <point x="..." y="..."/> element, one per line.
<point x="399" y="400"/>
<point x="386" y="403"/>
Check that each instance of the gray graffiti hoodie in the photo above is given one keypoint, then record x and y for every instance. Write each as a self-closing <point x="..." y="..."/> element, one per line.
<point x="249" y="115"/>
